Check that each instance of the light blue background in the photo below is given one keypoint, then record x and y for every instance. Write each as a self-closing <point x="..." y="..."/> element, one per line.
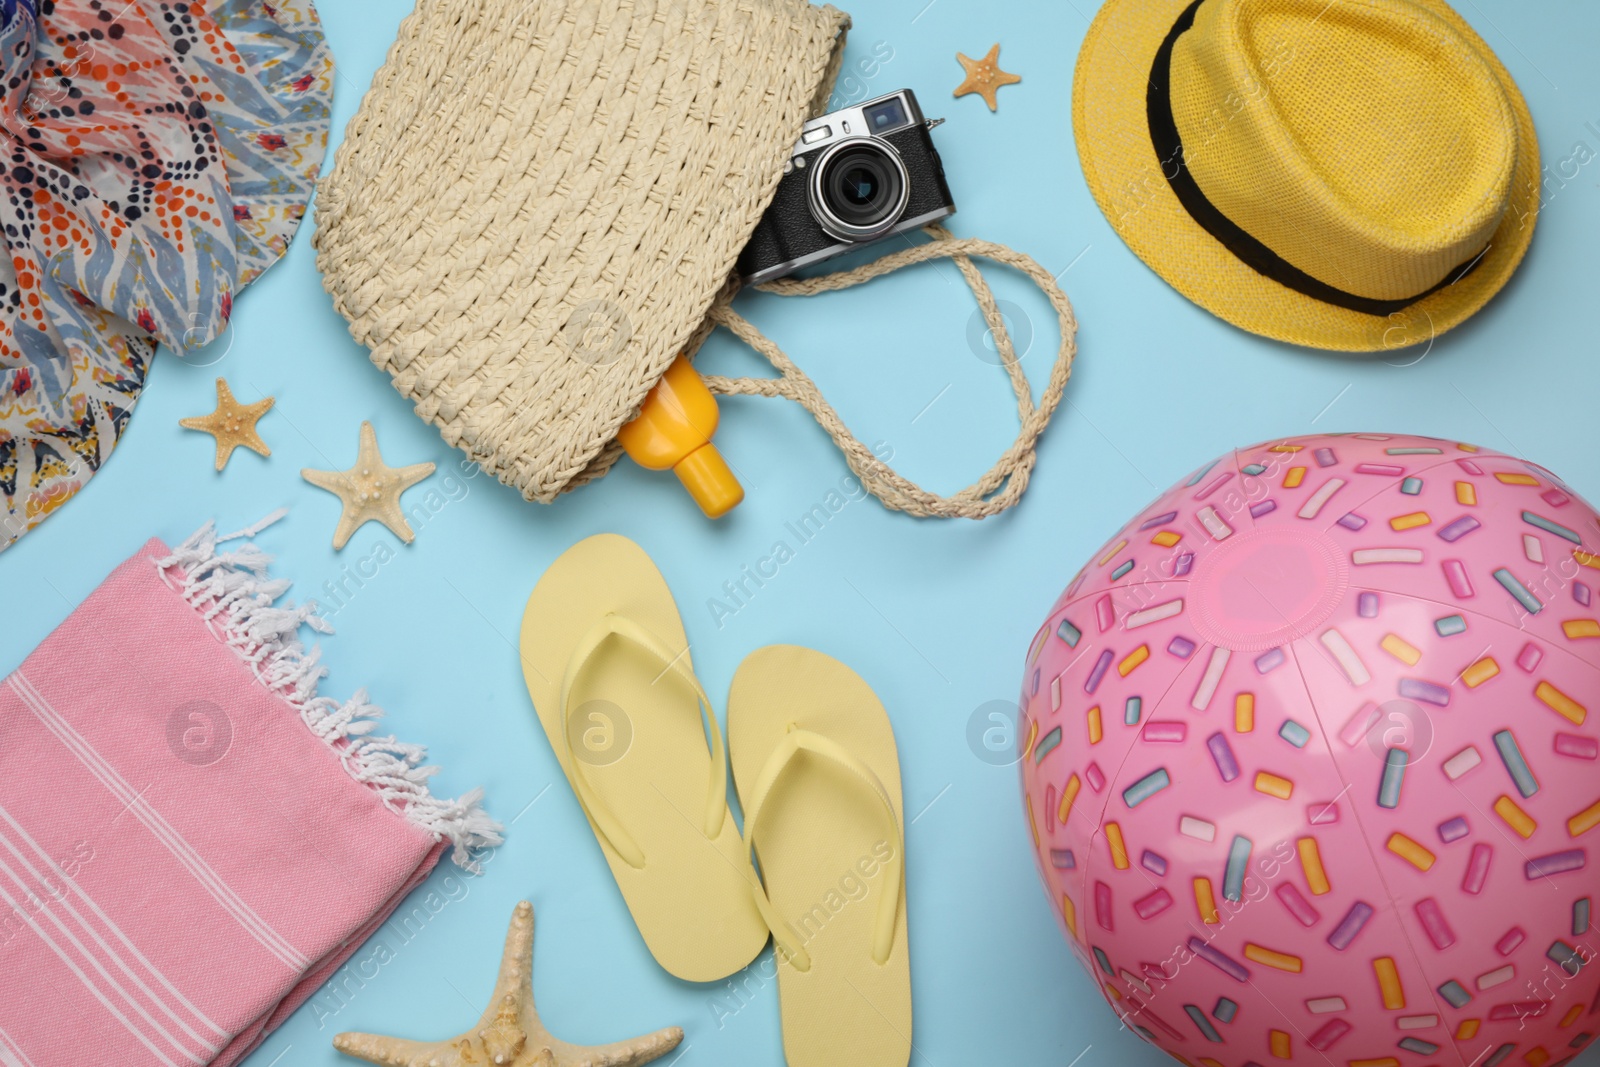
<point x="935" y="615"/>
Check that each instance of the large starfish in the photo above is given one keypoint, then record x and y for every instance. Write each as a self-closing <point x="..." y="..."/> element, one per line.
<point x="370" y="490"/>
<point x="232" y="424"/>
<point x="509" y="1034"/>
<point x="985" y="77"/>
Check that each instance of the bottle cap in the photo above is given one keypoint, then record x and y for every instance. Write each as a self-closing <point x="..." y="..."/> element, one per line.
<point x="706" y="475"/>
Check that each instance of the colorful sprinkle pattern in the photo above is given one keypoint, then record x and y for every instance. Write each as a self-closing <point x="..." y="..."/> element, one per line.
<point x="1361" y="779"/>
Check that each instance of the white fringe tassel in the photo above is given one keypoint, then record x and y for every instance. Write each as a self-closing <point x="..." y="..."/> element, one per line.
<point x="233" y="594"/>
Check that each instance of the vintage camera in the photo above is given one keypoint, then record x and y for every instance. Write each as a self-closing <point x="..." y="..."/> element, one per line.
<point x="857" y="176"/>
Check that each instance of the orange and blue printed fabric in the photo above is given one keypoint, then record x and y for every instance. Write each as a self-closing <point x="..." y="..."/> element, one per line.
<point x="158" y="157"/>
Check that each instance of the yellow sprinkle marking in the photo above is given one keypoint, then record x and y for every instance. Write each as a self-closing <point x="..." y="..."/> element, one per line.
<point x="1411" y="852"/>
<point x="1467" y="1030"/>
<point x="1466" y="494"/>
<point x="1586" y="559"/>
<point x="1244" y="713"/>
<point x="1206" y="901"/>
<point x="1295" y="476"/>
<point x="1273" y="786"/>
<point x="1508" y="478"/>
<point x="1572" y="1015"/>
<point x="1095" y="730"/>
<point x="1394" y="994"/>
<point x="1033" y="735"/>
<point x="1291" y="449"/>
<point x="1536" y="1056"/>
<point x="1166" y="538"/>
<point x="1585" y="820"/>
<point x="1068" y="795"/>
<point x="1119" y="847"/>
<point x="1280" y="1045"/>
<point x="1070" y="913"/>
<point x="1466" y="447"/>
<point x="1515" y="817"/>
<point x="1480" y="672"/>
<point x="1578" y="629"/>
<point x="1033" y="825"/>
<point x="1281" y="961"/>
<point x="1411" y="521"/>
<point x="1311" y="864"/>
<point x="1131" y="661"/>
<point x="1112" y="552"/>
<point x="1561" y="703"/>
<point x="1402" y="650"/>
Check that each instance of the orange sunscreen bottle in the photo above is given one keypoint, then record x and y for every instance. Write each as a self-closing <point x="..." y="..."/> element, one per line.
<point x="674" y="430"/>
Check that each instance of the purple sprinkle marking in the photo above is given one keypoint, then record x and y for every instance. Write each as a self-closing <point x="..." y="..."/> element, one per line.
<point x="1556" y="863"/>
<point x="1325" y="457"/>
<point x="1222" y="756"/>
<point x="1270" y="661"/>
<point x="1229" y="967"/>
<point x="1035" y="691"/>
<point x="1181" y="647"/>
<point x="1368" y="605"/>
<point x="1353" y="521"/>
<point x="1103" y="664"/>
<point x="1580" y="593"/>
<point x="1453" y="829"/>
<point x="1387" y="470"/>
<point x="1266" y="507"/>
<point x="1154" y="862"/>
<point x="1427" y="692"/>
<point x="1159" y="520"/>
<point x="1349" y="926"/>
<point x="1433" y="922"/>
<point x="1459" y="529"/>
<point x="1182" y="564"/>
<point x="1577" y="747"/>
<point x="1477" y="869"/>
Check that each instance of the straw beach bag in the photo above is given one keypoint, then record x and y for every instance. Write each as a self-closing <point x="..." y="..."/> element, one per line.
<point x="539" y="206"/>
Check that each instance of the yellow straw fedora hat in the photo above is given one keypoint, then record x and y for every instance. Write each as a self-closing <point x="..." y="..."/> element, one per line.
<point x="1343" y="174"/>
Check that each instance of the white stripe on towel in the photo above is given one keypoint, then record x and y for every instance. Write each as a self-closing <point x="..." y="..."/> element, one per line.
<point x="181" y="850"/>
<point x="11" y="1054"/>
<point x="52" y="872"/>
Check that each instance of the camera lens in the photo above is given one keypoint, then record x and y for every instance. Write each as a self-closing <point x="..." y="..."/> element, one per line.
<point x="859" y="190"/>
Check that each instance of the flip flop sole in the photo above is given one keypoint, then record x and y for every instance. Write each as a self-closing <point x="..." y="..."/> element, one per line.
<point x="637" y="731"/>
<point x="824" y="850"/>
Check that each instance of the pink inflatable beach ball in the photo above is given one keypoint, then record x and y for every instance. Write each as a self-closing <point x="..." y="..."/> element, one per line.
<point x="1309" y="761"/>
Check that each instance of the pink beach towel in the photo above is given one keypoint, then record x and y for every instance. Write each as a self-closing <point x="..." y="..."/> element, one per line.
<point x="192" y="840"/>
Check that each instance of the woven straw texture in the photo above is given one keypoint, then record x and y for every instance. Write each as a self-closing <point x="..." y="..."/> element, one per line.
<point x="538" y="204"/>
<point x="1373" y="144"/>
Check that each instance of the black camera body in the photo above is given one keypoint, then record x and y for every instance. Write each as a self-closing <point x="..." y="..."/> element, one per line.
<point x="857" y="175"/>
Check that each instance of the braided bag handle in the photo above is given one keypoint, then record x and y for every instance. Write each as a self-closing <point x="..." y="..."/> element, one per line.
<point x="999" y="489"/>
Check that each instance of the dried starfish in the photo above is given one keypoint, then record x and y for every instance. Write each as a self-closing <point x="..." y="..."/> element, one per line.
<point x="232" y="424"/>
<point x="510" y="1033"/>
<point x="370" y="490"/>
<point x="985" y="77"/>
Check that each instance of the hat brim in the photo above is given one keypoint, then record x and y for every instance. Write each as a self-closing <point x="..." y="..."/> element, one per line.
<point x="1114" y="147"/>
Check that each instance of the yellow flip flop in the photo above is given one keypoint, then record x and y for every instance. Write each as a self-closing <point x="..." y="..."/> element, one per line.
<point x="607" y="664"/>
<point x="818" y="775"/>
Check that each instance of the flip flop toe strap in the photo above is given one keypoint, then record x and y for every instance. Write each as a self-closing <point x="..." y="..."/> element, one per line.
<point x="594" y="806"/>
<point x="787" y="939"/>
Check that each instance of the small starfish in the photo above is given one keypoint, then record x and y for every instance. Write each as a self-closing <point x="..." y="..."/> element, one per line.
<point x="985" y="77"/>
<point x="370" y="490"/>
<point x="232" y="424"/>
<point x="510" y="1033"/>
